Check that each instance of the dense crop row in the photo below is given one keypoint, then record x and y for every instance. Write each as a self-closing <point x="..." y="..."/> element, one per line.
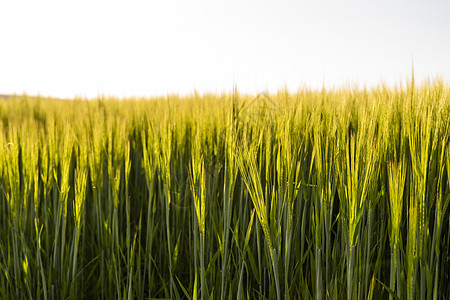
<point x="320" y="194"/>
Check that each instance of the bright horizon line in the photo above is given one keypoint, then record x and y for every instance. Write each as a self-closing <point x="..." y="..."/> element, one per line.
<point x="349" y="85"/>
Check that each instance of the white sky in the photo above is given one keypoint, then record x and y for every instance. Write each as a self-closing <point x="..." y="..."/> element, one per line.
<point x="147" y="48"/>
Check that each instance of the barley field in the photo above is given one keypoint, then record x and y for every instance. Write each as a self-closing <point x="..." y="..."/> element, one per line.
<point x="333" y="194"/>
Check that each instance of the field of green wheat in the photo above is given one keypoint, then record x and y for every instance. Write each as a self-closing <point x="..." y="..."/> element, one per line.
<point x="333" y="194"/>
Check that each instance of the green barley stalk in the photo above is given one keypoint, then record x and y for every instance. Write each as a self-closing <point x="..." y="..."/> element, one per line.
<point x="149" y="171"/>
<point x="251" y="178"/>
<point x="165" y="169"/>
<point x="116" y="238"/>
<point x="411" y="246"/>
<point x="441" y="209"/>
<point x="230" y="174"/>
<point x="419" y="143"/>
<point x="356" y="173"/>
<point x="197" y="180"/>
<point x="324" y="167"/>
<point x="39" y="258"/>
<point x="396" y="177"/>
<point x="63" y="187"/>
<point x="130" y="249"/>
<point x="78" y="206"/>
